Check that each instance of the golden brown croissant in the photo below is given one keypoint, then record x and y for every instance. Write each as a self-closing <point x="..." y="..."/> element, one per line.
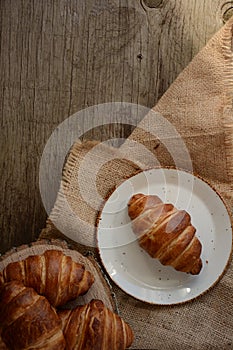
<point x="27" y="319"/>
<point x="94" y="327"/>
<point x="2" y="344"/>
<point x="166" y="233"/>
<point x="52" y="274"/>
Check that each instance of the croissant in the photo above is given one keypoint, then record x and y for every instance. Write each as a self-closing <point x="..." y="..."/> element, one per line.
<point x="2" y="344"/>
<point x="52" y="274"/>
<point x="165" y="233"/>
<point x="94" y="327"/>
<point x="27" y="319"/>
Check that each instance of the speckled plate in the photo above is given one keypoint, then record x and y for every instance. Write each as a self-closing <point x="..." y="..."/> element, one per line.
<point x="132" y="269"/>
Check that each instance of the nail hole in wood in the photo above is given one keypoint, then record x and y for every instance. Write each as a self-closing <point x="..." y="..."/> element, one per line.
<point x="153" y="3"/>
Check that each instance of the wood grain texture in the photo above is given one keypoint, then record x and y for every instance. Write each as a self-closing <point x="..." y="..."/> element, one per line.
<point x="58" y="57"/>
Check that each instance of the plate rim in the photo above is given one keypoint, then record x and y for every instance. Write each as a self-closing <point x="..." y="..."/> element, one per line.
<point x="194" y="174"/>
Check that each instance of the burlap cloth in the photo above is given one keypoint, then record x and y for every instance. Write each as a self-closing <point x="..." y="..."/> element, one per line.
<point x="199" y="106"/>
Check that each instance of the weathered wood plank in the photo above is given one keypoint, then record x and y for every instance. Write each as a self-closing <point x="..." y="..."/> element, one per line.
<point x="58" y="57"/>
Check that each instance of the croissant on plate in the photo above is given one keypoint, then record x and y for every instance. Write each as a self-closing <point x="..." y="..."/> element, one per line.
<point x="27" y="320"/>
<point x="95" y="327"/>
<point x="165" y="233"/>
<point x="52" y="274"/>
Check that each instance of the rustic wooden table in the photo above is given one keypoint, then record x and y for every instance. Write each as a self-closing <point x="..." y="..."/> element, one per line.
<point x="61" y="56"/>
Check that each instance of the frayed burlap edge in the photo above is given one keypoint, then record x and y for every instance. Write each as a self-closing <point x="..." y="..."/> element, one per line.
<point x="70" y="163"/>
<point x="50" y="229"/>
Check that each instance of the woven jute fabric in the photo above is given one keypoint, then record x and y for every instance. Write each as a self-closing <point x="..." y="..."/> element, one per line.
<point x="199" y="106"/>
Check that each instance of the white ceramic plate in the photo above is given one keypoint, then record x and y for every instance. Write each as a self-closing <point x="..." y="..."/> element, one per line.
<point x="132" y="269"/>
